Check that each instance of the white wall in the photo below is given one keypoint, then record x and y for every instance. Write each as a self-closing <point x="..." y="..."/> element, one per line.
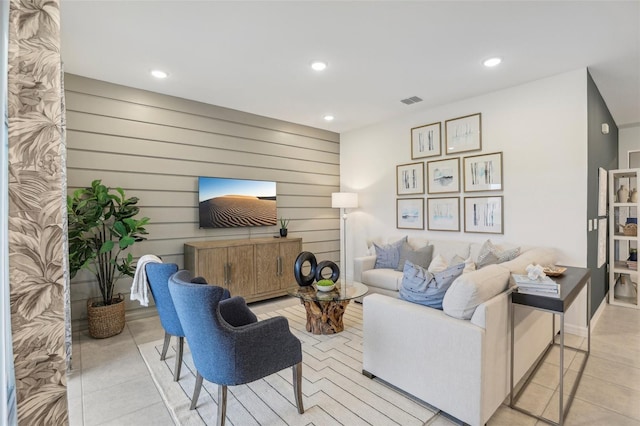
<point x="541" y="129"/>
<point x="628" y="140"/>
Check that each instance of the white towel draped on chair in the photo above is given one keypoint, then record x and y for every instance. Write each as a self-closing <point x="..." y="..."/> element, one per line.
<point x="139" y="286"/>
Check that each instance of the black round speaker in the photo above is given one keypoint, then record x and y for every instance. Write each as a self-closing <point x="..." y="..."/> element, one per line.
<point x="335" y="271"/>
<point x="305" y="280"/>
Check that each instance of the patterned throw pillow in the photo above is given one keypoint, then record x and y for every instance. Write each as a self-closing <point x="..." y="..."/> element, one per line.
<point x="422" y="287"/>
<point x="490" y="255"/>
<point x="420" y="257"/>
<point x="388" y="256"/>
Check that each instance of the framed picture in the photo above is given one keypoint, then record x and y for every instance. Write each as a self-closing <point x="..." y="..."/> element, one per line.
<point x="425" y="141"/>
<point x="443" y="176"/>
<point x="410" y="213"/>
<point x="463" y="134"/>
<point x="483" y="172"/>
<point x="410" y="179"/>
<point x="602" y="192"/>
<point x="483" y="214"/>
<point x="443" y="214"/>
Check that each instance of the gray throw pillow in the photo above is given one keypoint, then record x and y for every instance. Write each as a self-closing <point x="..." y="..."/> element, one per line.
<point x="388" y="256"/>
<point x="489" y="255"/>
<point x="421" y="257"/>
<point x="422" y="287"/>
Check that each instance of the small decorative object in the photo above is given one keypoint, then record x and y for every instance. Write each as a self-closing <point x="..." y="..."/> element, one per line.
<point x="633" y="196"/>
<point x="633" y="254"/>
<point x="305" y="280"/>
<point x="335" y="271"/>
<point x="425" y="141"/>
<point x="554" y="271"/>
<point x="630" y="230"/>
<point x="283" y="227"/>
<point x="623" y="194"/>
<point x="410" y="179"/>
<point x="535" y="271"/>
<point x="410" y="213"/>
<point x="325" y="285"/>
<point x="483" y="172"/>
<point x="463" y="134"/>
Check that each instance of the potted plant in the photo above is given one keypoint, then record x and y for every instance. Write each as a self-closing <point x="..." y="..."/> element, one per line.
<point x="283" y="227"/>
<point x="102" y="227"/>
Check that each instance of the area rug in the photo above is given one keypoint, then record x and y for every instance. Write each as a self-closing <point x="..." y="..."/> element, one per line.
<point x="334" y="390"/>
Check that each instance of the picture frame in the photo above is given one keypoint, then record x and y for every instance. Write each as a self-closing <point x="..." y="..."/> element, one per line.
<point x="602" y="191"/>
<point x="484" y="215"/>
<point x="426" y="141"/>
<point x="463" y="134"/>
<point x="410" y="213"/>
<point x="483" y="172"/>
<point x="443" y="214"/>
<point x="443" y="176"/>
<point x="410" y="179"/>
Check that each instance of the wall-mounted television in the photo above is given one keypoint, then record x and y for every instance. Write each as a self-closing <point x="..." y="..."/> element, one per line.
<point x="230" y="203"/>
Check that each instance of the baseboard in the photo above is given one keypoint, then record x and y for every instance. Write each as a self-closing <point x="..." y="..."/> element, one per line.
<point x="582" y="330"/>
<point x="135" y="314"/>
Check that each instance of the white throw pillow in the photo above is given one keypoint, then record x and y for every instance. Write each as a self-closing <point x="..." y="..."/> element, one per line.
<point x="438" y="264"/>
<point x="470" y="290"/>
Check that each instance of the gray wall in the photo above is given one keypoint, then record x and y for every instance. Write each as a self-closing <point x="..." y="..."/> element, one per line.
<point x="155" y="146"/>
<point x="602" y="152"/>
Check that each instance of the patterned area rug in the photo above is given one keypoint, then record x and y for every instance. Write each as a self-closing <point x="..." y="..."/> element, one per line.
<point x="334" y="390"/>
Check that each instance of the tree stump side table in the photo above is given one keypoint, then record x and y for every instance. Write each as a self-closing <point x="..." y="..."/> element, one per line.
<point x="326" y="309"/>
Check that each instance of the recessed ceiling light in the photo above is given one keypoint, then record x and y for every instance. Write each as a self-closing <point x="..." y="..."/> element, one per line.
<point x="492" y="62"/>
<point x="329" y="117"/>
<point x="159" y="74"/>
<point x="318" y="65"/>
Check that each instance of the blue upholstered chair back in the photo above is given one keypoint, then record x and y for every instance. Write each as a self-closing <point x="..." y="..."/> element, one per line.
<point x="158" y="276"/>
<point x="210" y="342"/>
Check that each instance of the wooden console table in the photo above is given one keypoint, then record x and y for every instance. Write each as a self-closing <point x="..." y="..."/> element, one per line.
<point x="571" y="284"/>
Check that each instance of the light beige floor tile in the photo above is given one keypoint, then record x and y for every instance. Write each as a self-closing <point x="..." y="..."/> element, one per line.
<point x="114" y="371"/>
<point x="440" y="421"/>
<point x="535" y="398"/>
<point x="609" y="371"/>
<point x="505" y="416"/>
<point x="583" y="413"/>
<point x="153" y="415"/>
<point x="146" y="330"/>
<point x="112" y="402"/>
<point x="74" y="384"/>
<point x="75" y="411"/>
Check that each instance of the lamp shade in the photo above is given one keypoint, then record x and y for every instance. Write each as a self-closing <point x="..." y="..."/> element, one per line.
<point x="344" y="200"/>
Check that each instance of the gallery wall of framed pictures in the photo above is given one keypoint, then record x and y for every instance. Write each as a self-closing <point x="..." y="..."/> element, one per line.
<point x="451" y="174"/>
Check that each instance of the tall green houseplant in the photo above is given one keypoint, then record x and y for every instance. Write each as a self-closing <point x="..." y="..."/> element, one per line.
<point x="102" y="227"/>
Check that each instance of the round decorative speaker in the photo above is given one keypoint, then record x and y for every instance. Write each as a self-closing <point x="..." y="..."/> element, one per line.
<point x="305" y="280"/>
<point x="335" y="271"/>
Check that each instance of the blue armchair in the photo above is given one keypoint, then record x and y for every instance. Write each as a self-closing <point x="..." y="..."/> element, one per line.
<point x="158" y="277"/>
<point x="228" y="345"/>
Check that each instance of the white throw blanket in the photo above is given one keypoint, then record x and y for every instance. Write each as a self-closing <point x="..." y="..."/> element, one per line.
<point x="139" y="286"/>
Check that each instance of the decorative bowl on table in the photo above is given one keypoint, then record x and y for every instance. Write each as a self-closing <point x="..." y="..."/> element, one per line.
<point x="554" y="271"/>
<point x="325" y="285"/>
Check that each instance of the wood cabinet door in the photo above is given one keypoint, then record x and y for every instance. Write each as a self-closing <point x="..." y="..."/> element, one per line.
<point x="267" y="278"/>
<point x="289" y="251"/>
<point x="211" y="265"/>
<point x="241" y="270"/>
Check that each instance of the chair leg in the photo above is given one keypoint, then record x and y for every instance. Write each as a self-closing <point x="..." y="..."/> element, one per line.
<point x="196" y="391"/>
<point x="176" y="370"/>
<point x="222" y="404"/>
<point x="167" y="340"/>
<point x="297" y="386"/>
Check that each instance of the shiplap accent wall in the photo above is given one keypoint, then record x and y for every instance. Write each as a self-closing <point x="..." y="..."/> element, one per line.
<point x="155" y="146"/>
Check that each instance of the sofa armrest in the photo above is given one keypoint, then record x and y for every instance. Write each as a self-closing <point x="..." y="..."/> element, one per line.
<point x="362" y="264"/>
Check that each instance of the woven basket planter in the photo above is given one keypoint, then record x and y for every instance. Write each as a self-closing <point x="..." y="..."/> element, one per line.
<point x="630" y="229"/>
<point x="105" y="321"/>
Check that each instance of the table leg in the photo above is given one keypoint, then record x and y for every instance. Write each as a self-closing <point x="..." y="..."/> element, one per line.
<point x="325" y="317"/>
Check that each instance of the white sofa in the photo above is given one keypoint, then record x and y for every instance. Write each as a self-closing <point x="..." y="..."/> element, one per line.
<point x="460" y="366"/>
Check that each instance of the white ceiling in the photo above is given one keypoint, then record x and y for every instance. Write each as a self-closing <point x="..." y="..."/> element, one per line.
<point x="255" y="56"/>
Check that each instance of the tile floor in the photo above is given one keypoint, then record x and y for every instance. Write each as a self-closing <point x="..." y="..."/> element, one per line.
<point x="110" y="383"/>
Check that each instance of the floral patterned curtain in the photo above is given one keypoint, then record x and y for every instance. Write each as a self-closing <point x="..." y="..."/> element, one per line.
<point x="36" y="211"/>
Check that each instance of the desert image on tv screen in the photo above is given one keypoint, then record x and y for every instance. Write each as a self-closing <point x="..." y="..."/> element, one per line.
<point x="229" y="203"/>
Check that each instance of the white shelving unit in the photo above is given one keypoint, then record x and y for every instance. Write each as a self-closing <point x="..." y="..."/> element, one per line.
<point x="623" y="278"/>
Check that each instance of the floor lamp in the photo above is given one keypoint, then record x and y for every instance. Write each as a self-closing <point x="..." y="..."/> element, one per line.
<point x="344" y="201"/>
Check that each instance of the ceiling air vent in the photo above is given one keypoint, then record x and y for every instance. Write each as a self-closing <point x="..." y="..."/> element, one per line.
<point x="411" y="100"/>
